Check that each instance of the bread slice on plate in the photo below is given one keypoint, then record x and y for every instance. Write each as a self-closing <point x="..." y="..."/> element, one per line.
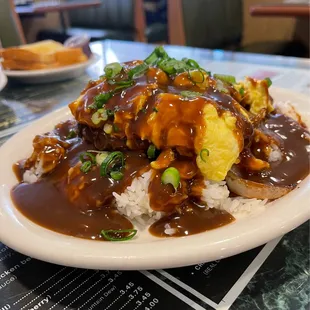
<point x="41" y="55"/>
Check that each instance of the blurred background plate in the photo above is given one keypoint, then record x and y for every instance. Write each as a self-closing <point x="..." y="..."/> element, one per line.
<point x="50" y="75"/>
<point x="3" y="79"/>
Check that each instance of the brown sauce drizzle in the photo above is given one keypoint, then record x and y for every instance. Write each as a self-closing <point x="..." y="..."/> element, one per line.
<point x="190" y="219"/>
<point x="294" y="141"/>
<point x="51" y="203"/>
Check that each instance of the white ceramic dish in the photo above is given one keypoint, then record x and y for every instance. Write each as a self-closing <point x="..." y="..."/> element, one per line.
<point x="50" y="75"/>
<point x="145" y="251"/>
<point x="3" y="79"/>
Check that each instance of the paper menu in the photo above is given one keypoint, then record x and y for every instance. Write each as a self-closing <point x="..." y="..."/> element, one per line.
<point x="29" y="284"/>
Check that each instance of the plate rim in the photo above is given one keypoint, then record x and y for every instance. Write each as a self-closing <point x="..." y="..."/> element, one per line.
<point x="126" y="256"/>
<point x="37" y="73"/>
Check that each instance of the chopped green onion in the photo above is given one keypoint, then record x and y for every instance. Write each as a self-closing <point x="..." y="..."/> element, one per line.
<point x="112" y="69"/>
<point x="221" y="87"/>
<point x="86" y="156"/>
<point x="241" y="91"/>
<point x="193" y="76"/>
<point x="207" y="72"/>
<point x="138" y="71"/>
<point x="99" y="116"/>
<point x="167" y="66"/>
<point x="189" y="94"/>
<point x="100" y="157"/>
<point x="116" y="175"/>
<point x="225" y="78"/>
<point x="101" y="99"/>
<point x="110" y="162"/>
<point x="151" y="151"/>
<point x="72" y="134"/>
<point x="155" y="110"/>
<point x="116" y="235"/>
<point x="108" y="128"/>
<point x="268" y="80"/>
<point x="204" y="153"/>
<point x="160" y="51"/>
<point x="171" y="176"/>
<point x="110" y="113"/>
<point x="152" y="58"/>
<point x="125" y="85"/>
<point x="173" y="66"/>
<point x="86" y="166"/>
<point x="115" y="128"/>
<point x="192" y="63"/>
<point x="143" y="110"/>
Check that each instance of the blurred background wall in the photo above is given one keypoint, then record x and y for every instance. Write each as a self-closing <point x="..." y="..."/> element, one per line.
<point x="255" y="29"/>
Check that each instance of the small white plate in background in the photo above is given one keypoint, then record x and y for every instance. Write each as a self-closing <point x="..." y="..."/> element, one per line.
<point x="50" y="75"/>
<point x="3" y="79"/>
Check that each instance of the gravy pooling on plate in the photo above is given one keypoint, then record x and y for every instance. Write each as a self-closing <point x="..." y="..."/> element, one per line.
<point x="170" y="119"/>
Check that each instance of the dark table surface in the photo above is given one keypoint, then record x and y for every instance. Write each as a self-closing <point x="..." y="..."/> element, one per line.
<point x="283" y="280"/>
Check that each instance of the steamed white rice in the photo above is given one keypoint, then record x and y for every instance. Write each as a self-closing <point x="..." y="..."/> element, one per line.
<point x="134" y="202"/>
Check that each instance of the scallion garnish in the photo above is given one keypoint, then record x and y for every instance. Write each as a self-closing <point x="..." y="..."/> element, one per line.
<point x="196" y="76"/>
<point x="171" y="176"/>
<point x="220" y="86"/>
<point x="118" y="235"/>
<point x="101" y="99"/>
<point x="138" y="71"/>
<point x="241" y="91"/>
<point x="204" y="153"/>
<point x="99" y="116"/>
<point x="86" y="166"/>
<point x="108" y="128"/>
<point x="192" y="63"/>
<point x="268" y="80"/>
<point x="151" y="151"/>
<point x="160" y="51"/>
<point x="100" y="157"/>
<point x="112" y="69"/>
<point x="116" y="175"/>
<point x="189" y="94"/>
<point x="124" y="85"/>
<point x="225" y="78"/>
<point x="155" y="110"/>
<point x="115" y="128"/>
<point x="124" y="82"/>
<point x="86" y="156"/>
<point x="111" y="162"/>
<point x="152" y="58"/>
<point x="110" y="113"/>
<point x="72" y="134"/>
<point x="173" y="66"/>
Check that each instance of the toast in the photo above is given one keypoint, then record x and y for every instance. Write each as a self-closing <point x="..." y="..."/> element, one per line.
<point x="40" y="55"/>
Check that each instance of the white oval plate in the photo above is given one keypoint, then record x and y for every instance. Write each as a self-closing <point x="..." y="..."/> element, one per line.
<point x="50" y="75"/>
<point x="145" y="251"/>
<point x="3" y="79"/>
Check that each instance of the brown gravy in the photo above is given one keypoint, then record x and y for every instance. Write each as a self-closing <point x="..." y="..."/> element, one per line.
<point x="190" y="219"/>
<point x="294" y="143"/>
<point x="50" y="202"/>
